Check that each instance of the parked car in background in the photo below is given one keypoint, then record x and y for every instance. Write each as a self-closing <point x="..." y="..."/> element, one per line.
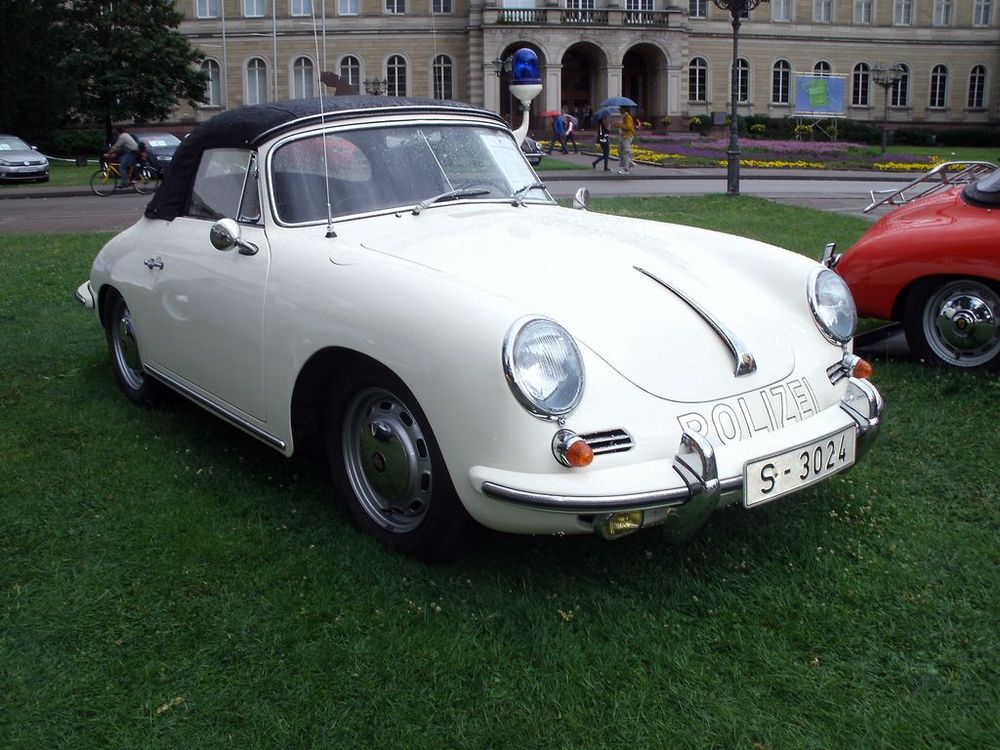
<point x="159" y="146"/>
<point x="19" y="161"/>
<point x="386" y="279"/>
<point x="532" y="151"/>
<point x="934" y="265"/>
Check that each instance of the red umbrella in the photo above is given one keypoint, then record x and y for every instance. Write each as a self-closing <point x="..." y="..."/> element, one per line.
<point x="551" y="113"/>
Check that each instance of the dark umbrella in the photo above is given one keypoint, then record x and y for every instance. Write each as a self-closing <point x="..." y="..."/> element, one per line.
<point x="606" y="112"/>
<point x="618" y="101"/>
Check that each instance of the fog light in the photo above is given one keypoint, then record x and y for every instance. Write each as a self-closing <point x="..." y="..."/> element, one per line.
<point x="615" y="525"/>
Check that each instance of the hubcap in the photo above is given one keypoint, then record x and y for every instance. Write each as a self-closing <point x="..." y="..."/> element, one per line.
<point x="961" y="325"/>
<point x="387" y="460"/>
<point x="127" y="350"/>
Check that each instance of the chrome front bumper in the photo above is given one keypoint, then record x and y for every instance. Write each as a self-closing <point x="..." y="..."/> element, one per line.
<point x="695" y="463"/>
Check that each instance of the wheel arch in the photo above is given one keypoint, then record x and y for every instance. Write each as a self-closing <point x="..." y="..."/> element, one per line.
<point x="899" y="305"/>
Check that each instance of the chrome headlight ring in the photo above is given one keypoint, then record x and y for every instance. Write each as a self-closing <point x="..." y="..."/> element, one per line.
<point x="832" y="305"/>
<point x="543" y="367"/>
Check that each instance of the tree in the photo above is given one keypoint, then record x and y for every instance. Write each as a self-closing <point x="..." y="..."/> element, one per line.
<point x="128" y="61"/>
<point x="35" y="96"/>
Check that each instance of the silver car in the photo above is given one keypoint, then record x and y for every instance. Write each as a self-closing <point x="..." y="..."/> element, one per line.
<point x="19" y="161"/>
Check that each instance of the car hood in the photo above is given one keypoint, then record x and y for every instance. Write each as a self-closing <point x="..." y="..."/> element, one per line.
<point x="23" y="155"/>
<point x="627" y="290"/>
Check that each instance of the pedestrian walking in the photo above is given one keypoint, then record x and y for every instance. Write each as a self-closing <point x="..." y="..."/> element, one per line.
<point x="626" y="132"/>
<point x="604" y="143"/>
<point x="558" y="134"/>
<point x="570" y="130"/>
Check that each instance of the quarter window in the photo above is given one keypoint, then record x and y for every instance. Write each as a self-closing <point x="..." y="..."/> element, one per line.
<point x="219" y="184"/>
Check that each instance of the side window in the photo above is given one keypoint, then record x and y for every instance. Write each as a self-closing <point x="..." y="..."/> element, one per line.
<point x="250" y="204"/>
<point x="219" y="184"/>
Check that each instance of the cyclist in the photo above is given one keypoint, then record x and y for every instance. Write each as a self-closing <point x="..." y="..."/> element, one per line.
<point x="126" y="149"/>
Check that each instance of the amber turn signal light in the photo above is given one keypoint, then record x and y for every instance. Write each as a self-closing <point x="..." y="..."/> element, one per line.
<point x="571" y="450"/>
<point x="863" y="369"/>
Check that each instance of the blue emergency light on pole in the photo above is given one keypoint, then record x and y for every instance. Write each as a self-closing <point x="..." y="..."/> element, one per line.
<point x="525" y="85"/>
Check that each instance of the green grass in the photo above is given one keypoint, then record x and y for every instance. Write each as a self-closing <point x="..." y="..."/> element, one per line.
<point x="167" y="582"/>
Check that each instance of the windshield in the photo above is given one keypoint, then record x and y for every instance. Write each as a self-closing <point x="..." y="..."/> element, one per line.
<point x="10" y="143"/>
<point x="408" y="166"/>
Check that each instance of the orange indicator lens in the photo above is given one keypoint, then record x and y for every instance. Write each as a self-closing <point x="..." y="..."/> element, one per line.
<point x="863" y="369"/>
<point x="579" y="454"/>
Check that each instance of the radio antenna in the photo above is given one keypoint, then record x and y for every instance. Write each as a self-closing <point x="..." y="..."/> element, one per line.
<point x="322" y="108"/>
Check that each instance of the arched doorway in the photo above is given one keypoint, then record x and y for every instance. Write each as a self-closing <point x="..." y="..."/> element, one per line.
<point x="583" y="87"/>
<point x="643" y="80"/>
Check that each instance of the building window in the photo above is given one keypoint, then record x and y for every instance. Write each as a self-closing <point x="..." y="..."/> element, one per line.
<point x="302" y="7"/>
<point x="822" y="68"/>
<point x="396" y="74"/>
<point x="977" y="88"/>
<point x="899" y="95"/>
<point x="697" y="9"/>
<point x="781" y="75"/>
<point x="443" y="72"/>
<point x="256" y="81"/>
<point x="302" y="79"/>
<point x="863" y="12"/>
<point x="253" y="8"/>
<point x="347" y="7"/>
<point x="982" y="12"/>
<point x="698" y="80"/>
<point x="350" y="71"/>
<point x="822" y="11"/>
<point x="632" y="5"/>
<point x="902" y="12"/>
<point x="742" y="81"/>
<point x="781" y="10"/>
<point x="862" y="80"/>
<point x="441" y="8"/>
<point x="939" y="87"/>
<point x="208" y="8"/>
<point x="942" y="13"/>
<point x="213" y="91"/>
<point x="395" y="7"/>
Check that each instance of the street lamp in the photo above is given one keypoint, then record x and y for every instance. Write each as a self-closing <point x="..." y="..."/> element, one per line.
<point x="376" y="86"/>
<point x="737" y="9"/>
<point x="886" y="78"/>
<point x="501" y="66"/>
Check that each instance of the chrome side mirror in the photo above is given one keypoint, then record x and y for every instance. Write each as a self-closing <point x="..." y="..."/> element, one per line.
<point x="582" y="199"/>
<point x="225" y="235"/>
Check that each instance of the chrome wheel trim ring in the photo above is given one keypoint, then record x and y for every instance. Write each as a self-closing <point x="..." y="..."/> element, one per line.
<point x="127" y="350"/>
<point x="387" y="459"/>
<point x="961" y="323"/>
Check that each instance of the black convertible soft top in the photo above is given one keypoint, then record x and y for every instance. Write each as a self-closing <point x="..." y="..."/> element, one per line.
<point x="246" y="127"/>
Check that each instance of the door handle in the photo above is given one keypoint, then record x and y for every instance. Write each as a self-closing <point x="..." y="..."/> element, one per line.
<point x="151" y="263"/>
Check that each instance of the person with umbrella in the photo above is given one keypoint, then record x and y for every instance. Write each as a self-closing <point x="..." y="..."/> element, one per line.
<point x="626" y="132"/>
<point x="570" y="128"/>
<point x="558" y="131"/>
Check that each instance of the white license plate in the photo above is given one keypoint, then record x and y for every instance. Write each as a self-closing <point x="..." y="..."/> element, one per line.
<point x="771" y="477"/>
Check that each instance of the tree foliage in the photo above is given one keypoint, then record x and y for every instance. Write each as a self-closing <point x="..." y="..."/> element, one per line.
<point x="128" y="61"/>
<point x="97" y="61"/>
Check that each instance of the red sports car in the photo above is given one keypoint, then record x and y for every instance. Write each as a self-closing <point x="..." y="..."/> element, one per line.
<point x="934" y="265"/>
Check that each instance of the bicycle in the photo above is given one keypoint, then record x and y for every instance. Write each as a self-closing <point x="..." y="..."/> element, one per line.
<point x="144" y="178"/>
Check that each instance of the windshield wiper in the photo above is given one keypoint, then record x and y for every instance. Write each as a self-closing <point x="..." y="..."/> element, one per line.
<point x="518" y="195"/>
<point x="450" y="195"/>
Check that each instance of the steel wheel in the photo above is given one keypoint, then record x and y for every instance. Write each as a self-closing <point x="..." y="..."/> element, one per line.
<point x="955" y="322"/>
<point x="124" y="348"/>
<point x="387" y="467"/>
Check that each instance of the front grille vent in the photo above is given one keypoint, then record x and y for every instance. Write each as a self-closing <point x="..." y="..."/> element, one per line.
<point x="608" y="441"/>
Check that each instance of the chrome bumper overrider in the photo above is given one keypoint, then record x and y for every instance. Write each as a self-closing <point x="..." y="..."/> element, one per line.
<point x="695" y="464"/>
<point x="85" y="295"/>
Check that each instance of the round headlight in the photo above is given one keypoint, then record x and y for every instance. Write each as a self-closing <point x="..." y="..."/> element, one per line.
<point x="543" y="367"/>
<point x="832" y="305"/>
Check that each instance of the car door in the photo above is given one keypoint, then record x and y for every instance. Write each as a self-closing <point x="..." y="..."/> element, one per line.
<point x="207" y="304"/>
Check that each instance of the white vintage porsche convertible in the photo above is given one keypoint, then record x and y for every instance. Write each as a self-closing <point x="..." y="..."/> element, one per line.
<point x="388" y="278"/>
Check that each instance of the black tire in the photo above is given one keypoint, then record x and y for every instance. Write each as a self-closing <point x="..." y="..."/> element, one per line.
<point x="102" y="183"/>
<point x="146" y="180"/>
<point x="387" y="468"/>
<point x="125" y="358"/>
<point x="955" y="322"/>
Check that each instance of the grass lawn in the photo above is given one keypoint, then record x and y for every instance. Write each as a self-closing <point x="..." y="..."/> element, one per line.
<point x="167" y="582"/>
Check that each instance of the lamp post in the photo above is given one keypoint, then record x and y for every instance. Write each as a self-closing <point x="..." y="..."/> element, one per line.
<point x="736" y="8"/>
<point x="886" y="78"/>
<point x="501" y="65"/>
<point x="376" y="86"/>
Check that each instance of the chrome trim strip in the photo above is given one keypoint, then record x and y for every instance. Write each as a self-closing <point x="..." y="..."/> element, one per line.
<point x="742" y="356"/>
<point x="233" y="419"/>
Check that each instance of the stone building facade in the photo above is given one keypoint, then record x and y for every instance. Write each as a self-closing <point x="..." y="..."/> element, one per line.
<point x="675" y="61"/>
